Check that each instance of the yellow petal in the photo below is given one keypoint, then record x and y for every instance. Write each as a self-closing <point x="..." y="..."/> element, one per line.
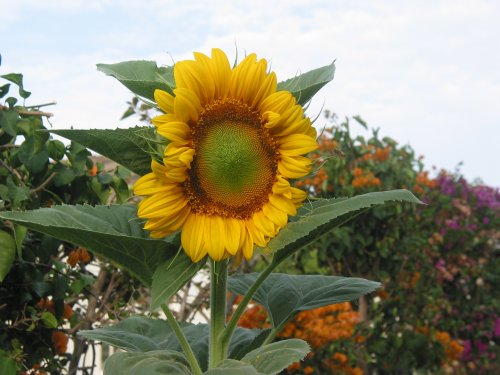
<point x="263" y="224"/>
<point x="215" y="237"/>
<point x="160" y="205"/>
<point x="246" y="243"/>
<point x="278" y="217"/>
<point x="232" y="235"/>
<point x="175" y="131"/>
<point x="294" y="166"/>
<point x="296" y="144"/>
<point x="196" y="76"/>
<point x="298" y="196"/>
<point x="192" y="237"/>
<point x="187" y="105"/>
<point x="283" y="204"/>
<point x="221" y="71"/>
<point x="150" y="184"/>
<point x="164" y="100"/>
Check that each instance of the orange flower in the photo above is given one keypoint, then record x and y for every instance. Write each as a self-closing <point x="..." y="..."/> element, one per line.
<point x="340" y="357"/>
<point x="356" y="172"/>
<point x="68" y="312"/>
<point x="80" y="254"/>
<point x="60" y="342"/>
<point x="93" y="170"/>
<point x="308" y="370"/>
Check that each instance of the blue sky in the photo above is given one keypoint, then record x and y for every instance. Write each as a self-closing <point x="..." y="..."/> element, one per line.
<point x="425" y="72"/>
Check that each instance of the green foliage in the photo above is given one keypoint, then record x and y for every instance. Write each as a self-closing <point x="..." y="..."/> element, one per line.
<point x="113" y="232"/>
<point x="272" y="358"/>
<point x="433" y="260"/>
<point x="171" y="276"/>
<point x="141" y="334"/>
<point x="7" y="254"/>
<point x="149" y="363"/>
<point x="38" y="289"/>
<point x="324" y="215"/>
<point x="131" y="148"/>
<point x="141" y="77"/>
<point x="306" y="85"/>
<point x="284" y="296"/>
<point x="232" y="367"/>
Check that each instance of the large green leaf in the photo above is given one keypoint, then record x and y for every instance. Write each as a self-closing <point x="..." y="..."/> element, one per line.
<point x="131" y="147"/>
<point x="158" y="362"/>
<point x="141" y="77"/>
<point x="113" y="232"/>
<point x="141" y="334"/>
<point x="135" y="334"/>
<point x="324" y="215"/>
<point x="272" y="358"/>
<point x="17" y="78"/>
<point x="8" y="120"/>
<point x="305" y="86"/>
<point x="7" y="253"/>
<point x="172" y="276"/>
<point x="232" y="367"/>
<point x="285" y="295"/>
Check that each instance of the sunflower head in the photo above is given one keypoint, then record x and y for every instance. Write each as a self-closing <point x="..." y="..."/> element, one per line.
<point x="235" y="141"/>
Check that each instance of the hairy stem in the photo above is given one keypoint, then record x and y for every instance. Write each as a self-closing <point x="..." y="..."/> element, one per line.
<point x="218" y="290"/>
<point x="193" y="362"/>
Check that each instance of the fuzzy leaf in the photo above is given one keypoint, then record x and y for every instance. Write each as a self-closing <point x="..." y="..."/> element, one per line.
<point x="158" y="362"/>
<point x="141" y="334"/>
<point x="141" y="77"/>
<point x="324" y="215"/>
<point x="131" y="147"/>
<point x="284" y="296"/>
<point x="7" y="253"/>
<point x="272" y="358"/>
<point x="172" y="276"/>
<point x="305" y="86"/>
<point x="113" y="232"/>
<point x="232" y="367"/>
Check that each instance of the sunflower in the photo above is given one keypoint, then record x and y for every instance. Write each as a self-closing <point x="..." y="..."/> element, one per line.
<point x="235" y="140"/>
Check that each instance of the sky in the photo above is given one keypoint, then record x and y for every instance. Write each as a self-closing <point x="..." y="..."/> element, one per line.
<point x="425" y="72"/>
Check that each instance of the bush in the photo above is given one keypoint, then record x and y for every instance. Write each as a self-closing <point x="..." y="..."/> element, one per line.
<point x="437" y="262"/>
<point x="49" y="289"/>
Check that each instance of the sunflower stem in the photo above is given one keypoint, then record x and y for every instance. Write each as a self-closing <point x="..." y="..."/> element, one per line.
<point x="193" y="362"/>
<point x="231" y="325"/>
<point x="218" y="291"/>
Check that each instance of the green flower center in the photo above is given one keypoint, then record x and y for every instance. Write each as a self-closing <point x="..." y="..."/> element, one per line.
<point x="235" y="161"/>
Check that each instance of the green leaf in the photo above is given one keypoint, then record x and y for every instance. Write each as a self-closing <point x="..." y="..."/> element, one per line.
<point x="232" y="367"/>
<point x="141" y="334"/>
<point x="4" y="89"/>
<point x="8" y="365"/>
<point x="306" y="85"/>
<point x="239" y="351"/>
<point x="141" y="77"/>
<point x="172" y="276"/>
<point x="113" y="232"/>
<point x="272" y="358"/>
<point x="324" y="215"/>
<point x="131" y="147"/>
<point x="7" y="253"/>
<point x="49" y="320"/>
<point x="19" y="235"/>
<point x="17" y="78"/>
<point x="83" y="282"/>
<point x="8" y="120"/>
<point x="135" y="334"/>
<point x="158" y="362"/>
<point x="285" y="295"/>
